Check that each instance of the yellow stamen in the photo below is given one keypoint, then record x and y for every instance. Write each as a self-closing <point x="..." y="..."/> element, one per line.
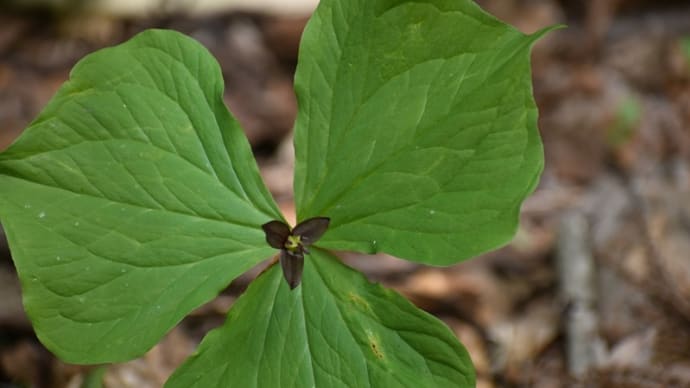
<point x="293" y="242"/>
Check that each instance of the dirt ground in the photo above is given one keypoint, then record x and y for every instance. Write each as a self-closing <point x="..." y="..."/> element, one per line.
<point x="594" y="291"/>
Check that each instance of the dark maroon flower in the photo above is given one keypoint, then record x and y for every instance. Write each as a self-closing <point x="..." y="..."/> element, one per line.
<point x="293" y="244"/>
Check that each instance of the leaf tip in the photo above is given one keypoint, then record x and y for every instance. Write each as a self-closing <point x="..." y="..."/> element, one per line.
<point x="541" y="33"/>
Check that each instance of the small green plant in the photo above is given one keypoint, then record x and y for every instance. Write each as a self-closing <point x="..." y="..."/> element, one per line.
<point x="134" y="197"/>
<point x="625" y="122"/>
<point x="685" y="47"/>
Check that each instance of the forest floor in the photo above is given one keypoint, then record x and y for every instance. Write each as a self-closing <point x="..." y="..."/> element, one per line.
<point x="595" y="288"/>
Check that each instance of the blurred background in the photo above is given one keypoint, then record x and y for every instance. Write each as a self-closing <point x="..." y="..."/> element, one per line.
<point x="595" y="288"/>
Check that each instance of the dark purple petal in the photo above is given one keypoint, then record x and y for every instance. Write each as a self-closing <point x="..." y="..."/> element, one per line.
<point x="276" y="233"/>
<point x="311" y="230"/>
<point x="292" y="265"/>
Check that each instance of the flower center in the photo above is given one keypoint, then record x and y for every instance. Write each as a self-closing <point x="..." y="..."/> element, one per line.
<point x="293" y="243"/>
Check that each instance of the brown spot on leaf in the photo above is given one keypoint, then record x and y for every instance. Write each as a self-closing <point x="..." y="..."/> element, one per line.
<point x="375" y="346"/>
<point x="358" y="301"/>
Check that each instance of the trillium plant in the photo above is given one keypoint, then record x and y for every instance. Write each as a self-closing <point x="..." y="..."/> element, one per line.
<point x="134" y="198"/>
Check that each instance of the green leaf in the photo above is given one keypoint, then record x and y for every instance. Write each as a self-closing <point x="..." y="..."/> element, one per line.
<point x="417" y="128"/>
<point x="335" y="330"/>
<point x="132" y="199"/>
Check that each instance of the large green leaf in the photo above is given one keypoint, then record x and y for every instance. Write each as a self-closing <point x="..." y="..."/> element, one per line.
<point x="335" y="330"/>
<point x="132" y="199"/>
<point x="417" y="128"/>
